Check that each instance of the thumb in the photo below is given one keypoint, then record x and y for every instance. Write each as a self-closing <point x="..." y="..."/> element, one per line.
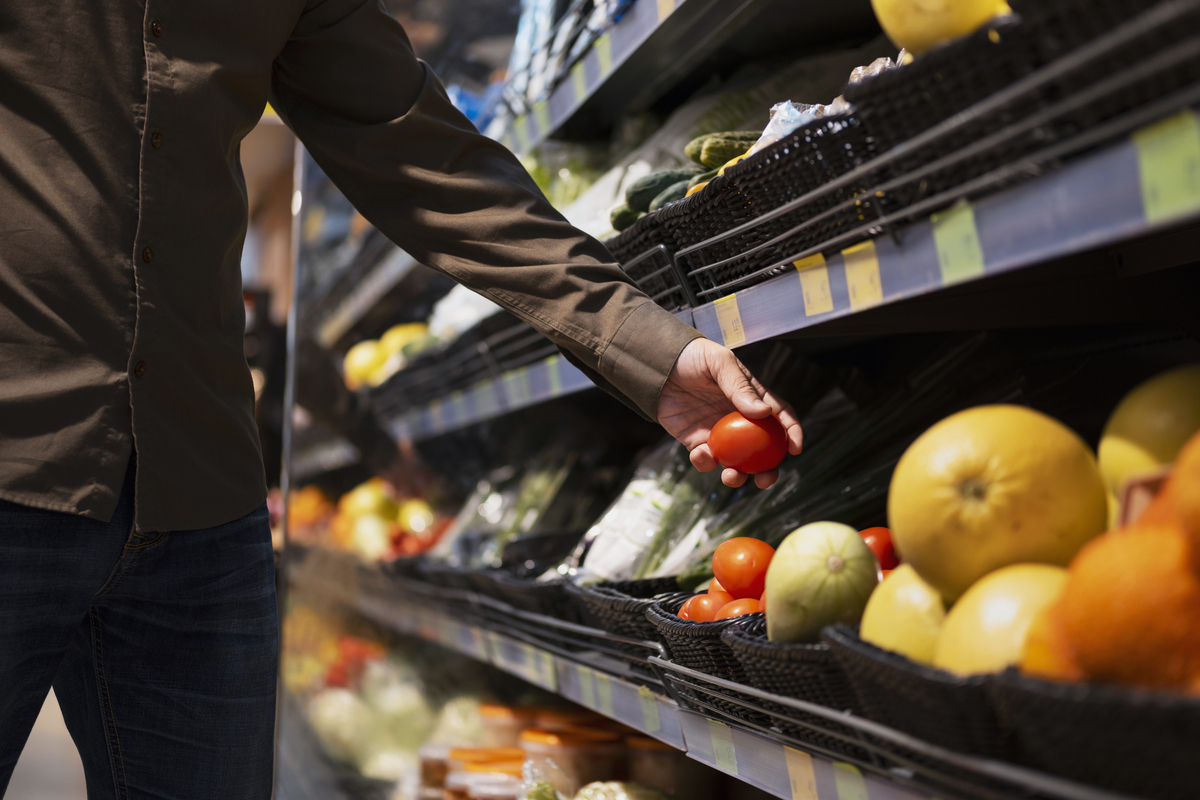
<point x="734" y="380"/>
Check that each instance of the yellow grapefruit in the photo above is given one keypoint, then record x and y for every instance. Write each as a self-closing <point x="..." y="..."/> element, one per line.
<point x="1150" y="425"/>
<point x="362" y="360"/>
<point x="918" y="25"/>
<point x="904" y="615"/>
<point x="993" y="486"/>
<point x="985" y="630"/>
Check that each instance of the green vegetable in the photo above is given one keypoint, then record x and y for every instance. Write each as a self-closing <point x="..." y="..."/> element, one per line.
<point x="714" y="149"/>
<point x="672" y="194"/>
<point x="642" y="191"/>
<point x="622" y="217"/>
<point x="703" y="177"/>
<point x="542" y="790"/>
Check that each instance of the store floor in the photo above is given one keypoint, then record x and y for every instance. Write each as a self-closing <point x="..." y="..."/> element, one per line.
<point x="49" y="768"/>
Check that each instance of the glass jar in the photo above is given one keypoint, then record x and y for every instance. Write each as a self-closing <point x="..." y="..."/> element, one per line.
<point x="435" y="765"/>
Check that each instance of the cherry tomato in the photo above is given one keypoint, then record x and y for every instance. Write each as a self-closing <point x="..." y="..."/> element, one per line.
<point x="715" y="586"/>
<point x="741" y="566"/>
<point x="747" y="605"/>
<point x="704" y="607"/>
<point x="880" y="542"/>
<point x="748" y="445"/>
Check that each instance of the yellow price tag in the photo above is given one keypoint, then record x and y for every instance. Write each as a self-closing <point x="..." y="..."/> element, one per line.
<point x="665" y="7"/>
<point x="549" y="674"/>
<point x="541" y="113"/>
<point x="814" y="283"/>
<point x="603" y="48"/>
<point x="587" y="687"/>
<point x="722" y="743"/>
<point x="554" y="375"/>
<point x="1169" y="163"/>
<point x="729" y="317"/>
<point x="579" y="81"/>
<point x="848" y="782"/>
<point x="650" y="720"/>
<point x="604" y="691"/>
<point x="801" y="776"/>
<point x="862" y="276"/>
<point x="960" y="255"/>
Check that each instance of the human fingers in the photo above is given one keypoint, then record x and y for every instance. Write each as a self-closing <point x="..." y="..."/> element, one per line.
<point x="702" y="459"/>
<point x="764" y="480"/>
<point x="732" y="478"/>
<point x="736" y="383"/>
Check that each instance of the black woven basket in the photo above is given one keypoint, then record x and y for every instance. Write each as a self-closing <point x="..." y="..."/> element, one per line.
<point x="620" y="606"/>
<point x="931" y="704"/>
<point x="446" y="576"/>
<point x="696" y="645"/>
<point x="1131" y="741"/>
<point x="803" y="671"/>
<point x="644" y="235"/>
<point x="548" y="598"/>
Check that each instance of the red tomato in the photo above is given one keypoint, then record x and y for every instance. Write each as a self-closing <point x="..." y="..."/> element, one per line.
<point x="704" y="607"/>
<point x="684" y="610"/>
<point x="747" y="605"/>
<point x="880" y="542"/>
<point x="762" y="601"/>
<point x="748" y="445"/>
<point x="741" y="566"/>
<point x="715" y="586"/>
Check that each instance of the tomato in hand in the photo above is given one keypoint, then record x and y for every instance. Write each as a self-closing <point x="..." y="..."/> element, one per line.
<point x="741" y="566"/>
<point x="704" y="607"/>
<point x="748" y="445"/>
<point x="880" y="542"/>
<point x="715" y="586"/>
<point x="747" y="605"/>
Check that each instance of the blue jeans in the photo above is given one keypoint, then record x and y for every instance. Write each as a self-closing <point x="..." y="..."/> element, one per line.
<point x="162" y="649"/>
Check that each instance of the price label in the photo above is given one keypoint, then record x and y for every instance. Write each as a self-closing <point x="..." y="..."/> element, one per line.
<point x="554" y="374"/>
<point x="459" y="405"/>
<point x="729" y="317"/>
<point x="516" y="382"/>
<point x="541" y="113"/>
<point x="1169" y="165"/>
<point x="814" y="283"/>
<point x="604" y="694"/>
<point x="665" y="7"/>
<point x="848" y="782"/>
<point x="485" y="400"/>
<point x="549" y="674"/>
<point x="722" y="744"/>
<point x="436" y="417"/>
<point x="587" y="687"/>
<point x="650" y="720"/>
<point x="862" y="276"/>
<point x="603" y="48"/>
<point x="801" y="776"/>
<point x="954" y="234"/>
<point x="579" y="81"/>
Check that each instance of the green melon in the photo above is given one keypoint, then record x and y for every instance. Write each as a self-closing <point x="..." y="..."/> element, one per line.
<point x="822" y="573"/>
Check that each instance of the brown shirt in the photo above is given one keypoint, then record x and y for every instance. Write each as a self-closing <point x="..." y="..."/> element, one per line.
<point x="123" y="211"/>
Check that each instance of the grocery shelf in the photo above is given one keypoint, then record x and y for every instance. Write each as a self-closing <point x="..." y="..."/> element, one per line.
<point x="363" y="297"/>
<point x="515" y="389"/>
<point x="1137" y="187"/>
<point x="323" y="457"/>
<point x="658" y="43"/>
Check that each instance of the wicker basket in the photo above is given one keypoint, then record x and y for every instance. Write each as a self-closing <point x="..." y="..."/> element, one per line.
<point x="548" y="598"/>
<point x="1130" y="741"/>
<point x="619" y="607"/>
<point x="931" y="704"/>
<point x="696" y="645"/>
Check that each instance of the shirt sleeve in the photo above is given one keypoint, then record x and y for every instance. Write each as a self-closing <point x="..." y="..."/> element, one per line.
<point x="379" y="123"/>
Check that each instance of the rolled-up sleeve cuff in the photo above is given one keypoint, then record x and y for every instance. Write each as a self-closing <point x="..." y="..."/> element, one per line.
<point x="639" y="357"/>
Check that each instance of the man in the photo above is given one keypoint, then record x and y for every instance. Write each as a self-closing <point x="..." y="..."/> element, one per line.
<point x="135" y="562"/>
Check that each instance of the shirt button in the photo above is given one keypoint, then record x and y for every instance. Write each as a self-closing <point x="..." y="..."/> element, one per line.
<point x="147" y="255"/>
<point x="140" y="369"/>
<point x="156" y="28"/>
<point x="156" y="140"/>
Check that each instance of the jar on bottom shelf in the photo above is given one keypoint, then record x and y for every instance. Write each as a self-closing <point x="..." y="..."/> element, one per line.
<point x="502" y="725"/>
<point x="459" y="757"/>
<point x="573" y="758"/>
<point x="458" y="785"/>
<point x="509" y="789"/>
<point x="435" y="765"/>
<point x="660" y="766"/>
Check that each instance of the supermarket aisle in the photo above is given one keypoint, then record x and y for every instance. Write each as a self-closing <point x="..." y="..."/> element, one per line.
<point x="49" y="768"/>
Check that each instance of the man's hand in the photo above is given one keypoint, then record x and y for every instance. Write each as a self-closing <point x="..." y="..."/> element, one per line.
<point x="706" y="383"/>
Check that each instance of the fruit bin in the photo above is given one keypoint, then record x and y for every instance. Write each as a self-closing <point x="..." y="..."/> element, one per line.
<point x="620" y="606"/>
<point x="848" y="178"/>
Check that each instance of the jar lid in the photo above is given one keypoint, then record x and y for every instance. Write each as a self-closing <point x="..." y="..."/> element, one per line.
<point x="647" y="743"/>
<point x="507" y="712"/>
<point x="575" y="737"/>
<point x="469" y="755"/>
<point x="512" y="768"/>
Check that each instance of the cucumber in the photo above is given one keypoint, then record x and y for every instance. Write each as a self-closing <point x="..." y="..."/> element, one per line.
<point x="673" y="193"/>
<point x="622" y="217"/>
<point x="703" y="177"/>
<point x="714" y="149"/>
<point x="643" y="190"/>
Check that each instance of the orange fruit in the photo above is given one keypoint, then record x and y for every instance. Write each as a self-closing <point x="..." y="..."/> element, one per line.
<point x="1047" y="652"/>
<point x="1131" y="608"/>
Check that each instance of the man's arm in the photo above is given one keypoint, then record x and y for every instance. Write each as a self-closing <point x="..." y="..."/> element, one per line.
<point x="380" y="125"/>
